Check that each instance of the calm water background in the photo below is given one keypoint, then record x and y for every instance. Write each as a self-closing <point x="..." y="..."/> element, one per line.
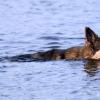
<point x="27" y="26"/>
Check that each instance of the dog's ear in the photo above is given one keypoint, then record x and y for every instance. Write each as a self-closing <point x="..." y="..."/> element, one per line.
<point x="90" y="35"/>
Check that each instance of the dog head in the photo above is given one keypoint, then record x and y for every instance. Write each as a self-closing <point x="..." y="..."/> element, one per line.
<point x="93" y="41"/>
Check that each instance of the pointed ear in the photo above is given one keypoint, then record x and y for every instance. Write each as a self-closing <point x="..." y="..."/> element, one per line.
<point x="90" y="35"/>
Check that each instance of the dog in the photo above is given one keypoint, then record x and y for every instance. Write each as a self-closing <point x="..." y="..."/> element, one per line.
<point x="90" y="50"/>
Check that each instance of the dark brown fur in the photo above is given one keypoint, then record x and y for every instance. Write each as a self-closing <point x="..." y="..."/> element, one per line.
<point x="92" y="44"/>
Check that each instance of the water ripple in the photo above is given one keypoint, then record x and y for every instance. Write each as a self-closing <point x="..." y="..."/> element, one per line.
<point x="27" y="26"/>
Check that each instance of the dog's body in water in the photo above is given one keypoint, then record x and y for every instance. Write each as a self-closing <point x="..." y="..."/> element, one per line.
<point x="88" y="51"/>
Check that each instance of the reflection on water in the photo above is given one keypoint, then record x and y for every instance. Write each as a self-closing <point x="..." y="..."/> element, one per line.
<point x="91" y="67"/>
<point x="48" y="80"/>
<point x="27" y="26"/>
<point x="52" y="79"/>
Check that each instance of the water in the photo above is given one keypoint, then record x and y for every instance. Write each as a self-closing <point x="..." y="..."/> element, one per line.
<point x="27" y="26"/>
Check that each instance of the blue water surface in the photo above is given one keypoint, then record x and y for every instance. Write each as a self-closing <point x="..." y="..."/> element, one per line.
<point x="27" y="26"/>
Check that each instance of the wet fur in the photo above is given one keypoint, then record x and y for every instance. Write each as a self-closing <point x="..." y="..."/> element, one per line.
<point x="91" y="46"/>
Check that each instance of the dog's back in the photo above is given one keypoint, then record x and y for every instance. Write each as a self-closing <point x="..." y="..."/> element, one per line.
<point x="91" y="46"/>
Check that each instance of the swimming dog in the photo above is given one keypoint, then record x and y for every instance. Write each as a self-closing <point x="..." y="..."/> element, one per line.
<point x="88" y="51"/>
